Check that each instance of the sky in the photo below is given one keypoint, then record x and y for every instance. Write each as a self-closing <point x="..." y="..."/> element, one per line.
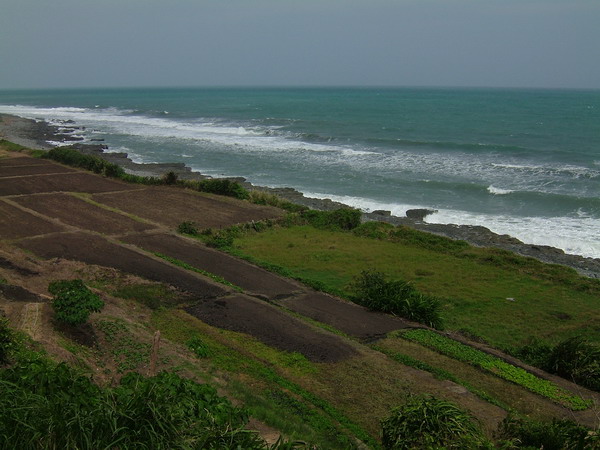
<point x="462" y="43"/>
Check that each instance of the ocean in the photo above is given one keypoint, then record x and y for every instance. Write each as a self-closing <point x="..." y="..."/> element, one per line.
<point x="520" y="162"/>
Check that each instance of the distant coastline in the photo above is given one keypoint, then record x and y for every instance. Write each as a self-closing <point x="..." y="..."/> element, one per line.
<point x="37" y="135"/>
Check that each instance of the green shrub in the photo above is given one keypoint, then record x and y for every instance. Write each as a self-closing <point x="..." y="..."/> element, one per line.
<point x="373" y="291"/>
<point x="264" y="198"/>
<point x="554" y="435"/>
<point x="222" y="186"/>
<point x="11" y="146"/>
<point x="197" y="345"/>
<point x="339" y="219"/>
<point x="75" y="158"/>
<point x="73" y="302"/>
<point x="170" y="178"/>
<point x="7" y="340"/>
<point x="575" y="359"/>
<point x="187" y="227"/>
<point x="578" y="360"/>
<point x="374" y="230"/>
<point x="46" y="406"/>
<point x="428" y="422"/>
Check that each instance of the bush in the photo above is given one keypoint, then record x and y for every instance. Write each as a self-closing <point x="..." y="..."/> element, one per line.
<point x="187" y="227"/>
<point x="374" y="230"/>
<point x="75" y="158"/>
<point x="578" y="360"/>
<point x="46" y="406"/>
<point x="396" y="297"/>
<point x="223" y="186"/>
<point x="170" y="178"/>
<point x="7" y="340"/>
<point x="339" y="219"/>
<point x="198" y="346"/>
<point x="73" y="302"/>
<point x="555" y="435"/>
<point x="429" y="422"/>
<point x="575" y="359"/>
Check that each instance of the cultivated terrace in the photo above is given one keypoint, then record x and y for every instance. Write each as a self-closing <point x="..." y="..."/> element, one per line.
<point x="160" y="313"/>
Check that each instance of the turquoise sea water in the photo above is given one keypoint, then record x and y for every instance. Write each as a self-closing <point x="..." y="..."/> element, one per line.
<point x="520" y="162"/>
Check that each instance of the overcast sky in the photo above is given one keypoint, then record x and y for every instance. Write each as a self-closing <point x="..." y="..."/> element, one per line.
<point x="495" y="43"/>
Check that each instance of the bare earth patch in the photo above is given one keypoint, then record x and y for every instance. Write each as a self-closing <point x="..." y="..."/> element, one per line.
<point x="271" y="326"/>
<point x="251" y="278"/>
<point x="170" y="206"/>
<point x="7" y="170"/>
<point x="68" y="182"/>
<point x="347" y="317"/>
<point x="93" y="249"/>
<point x="16" y="223"/>
<point x="79" y="213"/>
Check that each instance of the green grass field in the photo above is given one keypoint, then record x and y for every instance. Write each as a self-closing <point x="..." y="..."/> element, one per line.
<point x="550" y="303"/>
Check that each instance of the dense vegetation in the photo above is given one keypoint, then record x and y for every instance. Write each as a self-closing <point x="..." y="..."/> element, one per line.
<point x="496" y="366"/>
<point x="43" y="405"/>
<point x="98" y="165"/>
<point x="429" y="422"/>
<point x="73" y="302"/>
<point x="574" y="358"/>
<point x="396" y="297"/>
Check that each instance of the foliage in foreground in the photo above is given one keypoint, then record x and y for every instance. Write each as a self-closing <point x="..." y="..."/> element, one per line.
<point x="554" y="435"/>
<point x="429" y="422"/>
<point x="73" y="302"/>
<point x="6" y="340"/>
<point x="46" y="406"/>
<point x="373" y="291"/>
<point x="496" y="366"/>
<point x="574" y="358"/>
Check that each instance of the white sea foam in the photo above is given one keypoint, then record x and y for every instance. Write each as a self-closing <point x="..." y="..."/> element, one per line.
<point x="244" y="139"/>
<point x="574" y="235"/>
<point x="498" y="191"/>
<point x="366" y="204"/>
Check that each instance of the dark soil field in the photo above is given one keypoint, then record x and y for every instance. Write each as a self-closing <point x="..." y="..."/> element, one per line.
<point x="251" y="278"/>
<point x="81" y="214"/>
<point x="272" y="326"/>
<point x="93" y="249"/>
<point x="169" y="207"/>
<point x="28" y="224"/>
<point x="350" y="318"/>
<point x="69" y="182"/>
<point x="32" y="169"/>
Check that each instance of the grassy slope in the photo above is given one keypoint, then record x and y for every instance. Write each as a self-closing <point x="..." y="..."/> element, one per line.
<point x="476" y="293"/>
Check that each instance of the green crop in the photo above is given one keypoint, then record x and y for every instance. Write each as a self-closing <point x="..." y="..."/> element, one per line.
<point x="496" y="366"/>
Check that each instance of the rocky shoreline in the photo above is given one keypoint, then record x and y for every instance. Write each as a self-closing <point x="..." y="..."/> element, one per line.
<point x="37" y="134"/>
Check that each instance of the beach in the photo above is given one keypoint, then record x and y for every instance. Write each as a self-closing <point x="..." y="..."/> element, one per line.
<point x="37" y="135"/>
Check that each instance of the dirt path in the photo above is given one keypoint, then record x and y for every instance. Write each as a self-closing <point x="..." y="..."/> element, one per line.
<point x="32" y="320"/>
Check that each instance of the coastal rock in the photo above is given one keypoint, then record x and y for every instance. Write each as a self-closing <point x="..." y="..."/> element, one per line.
<point x="419" y="214"/>
<point x="382" y="212"/>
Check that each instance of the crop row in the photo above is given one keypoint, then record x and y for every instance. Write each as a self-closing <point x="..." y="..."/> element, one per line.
<point x="496" y="366"/>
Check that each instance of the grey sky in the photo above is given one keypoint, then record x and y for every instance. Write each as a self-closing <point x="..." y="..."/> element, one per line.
<point x="511" y="43"/>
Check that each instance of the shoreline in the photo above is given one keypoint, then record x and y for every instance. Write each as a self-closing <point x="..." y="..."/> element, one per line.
<point x="36" y="134"/>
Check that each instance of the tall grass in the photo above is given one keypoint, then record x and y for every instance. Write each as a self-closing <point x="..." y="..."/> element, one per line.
<point x="51" y="406"/>
<point x="429" y="422"/>
<point x="398" y="297"/>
